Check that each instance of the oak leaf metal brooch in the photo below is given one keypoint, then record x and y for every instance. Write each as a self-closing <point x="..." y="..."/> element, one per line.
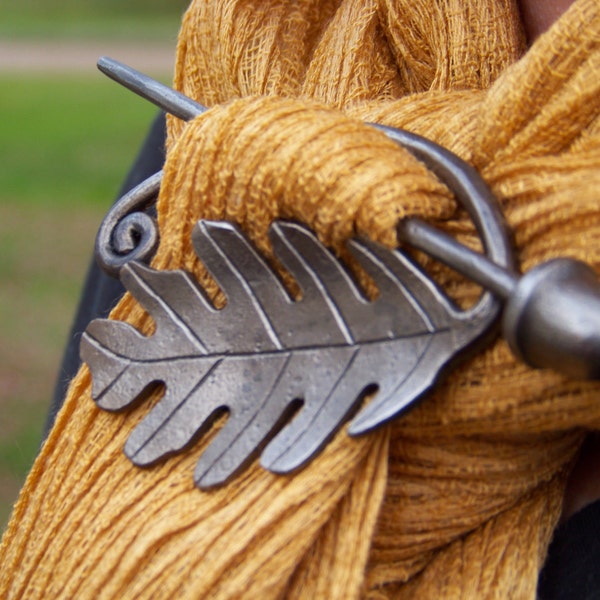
<point x="290" y="373"/>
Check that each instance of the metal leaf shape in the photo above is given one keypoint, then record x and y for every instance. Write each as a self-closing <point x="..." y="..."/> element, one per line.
<point x="265" y="354"/>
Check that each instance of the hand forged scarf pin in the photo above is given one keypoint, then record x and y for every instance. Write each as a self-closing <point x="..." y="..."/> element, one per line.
<point x="290" y="373"/>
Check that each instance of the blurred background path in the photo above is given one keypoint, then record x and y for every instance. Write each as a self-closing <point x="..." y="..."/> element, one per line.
<point x="80" y="56"/>
<point x="67" y="139"/>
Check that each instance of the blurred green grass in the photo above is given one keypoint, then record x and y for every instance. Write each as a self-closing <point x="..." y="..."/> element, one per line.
<point x="82" y="19"/>
<point x="67" y="139"/>
<point x="66" y="143"/>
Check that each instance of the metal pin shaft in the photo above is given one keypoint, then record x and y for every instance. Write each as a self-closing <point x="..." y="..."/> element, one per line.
<point x="552" y="313"/>
<point x="412" y="231"/>
<point x="447" y="250"/>
<point x="163" y="96"/>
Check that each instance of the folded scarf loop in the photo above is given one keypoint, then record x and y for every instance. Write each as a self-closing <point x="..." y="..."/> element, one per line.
<point x="457" y="499"/>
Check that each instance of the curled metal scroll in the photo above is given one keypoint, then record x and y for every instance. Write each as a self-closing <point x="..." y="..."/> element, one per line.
<point x="128" y="232"/>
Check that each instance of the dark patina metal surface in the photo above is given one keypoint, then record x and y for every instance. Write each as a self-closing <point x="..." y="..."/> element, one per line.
<point x="265" y="355"/>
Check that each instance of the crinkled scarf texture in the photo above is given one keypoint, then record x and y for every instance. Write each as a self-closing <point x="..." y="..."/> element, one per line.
<point x="459" y="498"/>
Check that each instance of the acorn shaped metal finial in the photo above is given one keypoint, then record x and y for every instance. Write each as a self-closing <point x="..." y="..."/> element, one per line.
<point x="552" y="318"/>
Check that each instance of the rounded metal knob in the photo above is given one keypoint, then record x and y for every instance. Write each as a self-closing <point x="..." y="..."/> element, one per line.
<point x="552" y="318"/>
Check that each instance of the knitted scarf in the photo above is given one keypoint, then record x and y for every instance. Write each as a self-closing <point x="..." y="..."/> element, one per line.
<point x="456" y="499"/>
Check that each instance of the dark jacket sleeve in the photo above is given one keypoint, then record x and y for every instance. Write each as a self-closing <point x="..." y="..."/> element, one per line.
<point x="572" y="569"/>
<point x="100" y="292"/>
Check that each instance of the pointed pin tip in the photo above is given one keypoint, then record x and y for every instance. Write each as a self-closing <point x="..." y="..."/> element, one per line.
<point x="123" y="74"/>
<point x="113" y="68"/>
<point x="163" y="96"/>
<point x="104" y="62"/>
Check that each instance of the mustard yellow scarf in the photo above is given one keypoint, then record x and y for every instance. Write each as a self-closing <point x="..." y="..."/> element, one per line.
<point x="457" y="499"/>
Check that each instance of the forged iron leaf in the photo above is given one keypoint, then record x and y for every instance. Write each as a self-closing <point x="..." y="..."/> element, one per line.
<point x="264" y="354"/>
